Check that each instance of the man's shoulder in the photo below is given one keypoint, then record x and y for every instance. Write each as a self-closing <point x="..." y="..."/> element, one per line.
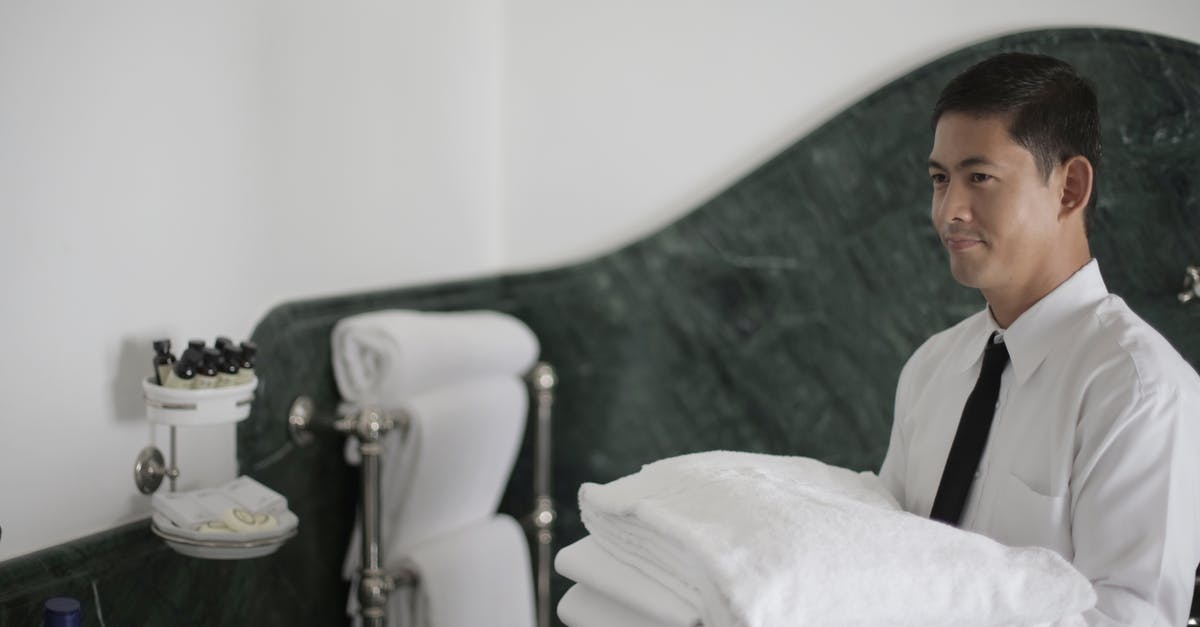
<point x="947" y="341"/>
<point x="1123" y="345"/>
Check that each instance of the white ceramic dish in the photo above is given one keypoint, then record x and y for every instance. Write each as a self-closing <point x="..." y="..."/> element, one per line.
<point x="223" y="551"/>
<point x="190" y="408"/>
<point x="170" y="531"/>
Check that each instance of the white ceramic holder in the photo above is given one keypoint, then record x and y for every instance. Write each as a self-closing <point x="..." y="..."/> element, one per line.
<point x="197" y="408"/>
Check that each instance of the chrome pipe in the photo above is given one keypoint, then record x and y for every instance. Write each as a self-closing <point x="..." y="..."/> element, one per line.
<point x="374" y="584"/>
<point x="173" y="471"/>
<point x="544" y="380"/>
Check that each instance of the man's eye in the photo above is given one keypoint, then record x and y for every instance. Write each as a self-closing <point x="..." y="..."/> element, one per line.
<point x="938" y="178"/>
<point x="979" y="177"/>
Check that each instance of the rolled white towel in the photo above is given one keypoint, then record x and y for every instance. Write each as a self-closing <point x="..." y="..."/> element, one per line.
<point x="756" y="541"/>
<point x="476" y="575"/>
<point x="479" y="575"/>
<point x="385" y="357"/>
<point x="450" y="469"/>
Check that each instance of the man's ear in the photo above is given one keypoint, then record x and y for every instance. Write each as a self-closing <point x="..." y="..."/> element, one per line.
<point x="1078" y="175"/>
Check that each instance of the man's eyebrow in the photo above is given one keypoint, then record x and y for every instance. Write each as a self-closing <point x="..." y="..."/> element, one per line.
<point x="965" y="163"/>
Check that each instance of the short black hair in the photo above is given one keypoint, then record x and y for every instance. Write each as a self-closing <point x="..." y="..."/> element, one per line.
<point x="1054" y="113"/>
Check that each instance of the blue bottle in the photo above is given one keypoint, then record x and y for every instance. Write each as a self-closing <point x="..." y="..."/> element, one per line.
<point x="62" y="612"/>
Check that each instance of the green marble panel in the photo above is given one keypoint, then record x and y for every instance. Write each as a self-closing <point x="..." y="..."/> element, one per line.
<point x="775" y="317"/>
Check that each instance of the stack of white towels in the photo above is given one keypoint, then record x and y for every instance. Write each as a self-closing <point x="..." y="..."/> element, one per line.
<point x="725" y="539"/>
<point x="459" y="377"/>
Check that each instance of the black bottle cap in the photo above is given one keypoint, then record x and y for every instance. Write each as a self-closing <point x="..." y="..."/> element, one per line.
<point x="185" y="368"/>
<point x="249" y="349"/>
<point x="223" y="343"/>
<point x="212" y="357"/>
<point x="162" y="347"/>
<point x="196" y="344"/>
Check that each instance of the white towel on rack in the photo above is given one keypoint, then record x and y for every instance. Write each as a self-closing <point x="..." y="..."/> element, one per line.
<point x="451" y="468"/>
<point x="479" y="575"/>
<point x="755" y="540"/>
<point x="383" y="358"/>
<point x="582" y="606"/>
<point x="610" y="581"/>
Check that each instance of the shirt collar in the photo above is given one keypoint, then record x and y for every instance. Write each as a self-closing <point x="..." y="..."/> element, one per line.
<point x="1031" y="336"/>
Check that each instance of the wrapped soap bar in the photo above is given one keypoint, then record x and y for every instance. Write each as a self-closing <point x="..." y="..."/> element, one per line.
<point x="184" y="509"/>
<point x="239" y="519"/>
<point x="254" y="497"/>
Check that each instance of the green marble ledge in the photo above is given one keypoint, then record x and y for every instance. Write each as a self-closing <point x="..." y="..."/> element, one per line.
<point x="775" y="317"/>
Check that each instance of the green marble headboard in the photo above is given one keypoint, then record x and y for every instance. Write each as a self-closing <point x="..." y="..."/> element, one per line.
<point x="775" y="317"/>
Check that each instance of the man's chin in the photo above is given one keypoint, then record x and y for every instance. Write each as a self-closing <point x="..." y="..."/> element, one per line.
<point x="967" y="276"/>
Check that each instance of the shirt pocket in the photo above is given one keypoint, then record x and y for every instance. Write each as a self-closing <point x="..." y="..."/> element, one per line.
<point x="1023" y="516"/>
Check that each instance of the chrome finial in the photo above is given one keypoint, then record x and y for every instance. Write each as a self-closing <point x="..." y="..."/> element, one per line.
<point x="1191" y="284"/>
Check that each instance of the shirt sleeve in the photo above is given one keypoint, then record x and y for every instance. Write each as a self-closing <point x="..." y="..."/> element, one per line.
<point x="892" y="472"/>
<point x="1135" y="523"/>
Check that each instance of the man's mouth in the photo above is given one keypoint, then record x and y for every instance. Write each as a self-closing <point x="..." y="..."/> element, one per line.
<point x="958" y="243"/>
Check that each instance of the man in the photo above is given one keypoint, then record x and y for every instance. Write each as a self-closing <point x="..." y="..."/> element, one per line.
<point x="1055" y="416"/>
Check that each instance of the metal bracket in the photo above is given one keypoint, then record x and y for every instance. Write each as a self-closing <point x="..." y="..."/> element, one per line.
<point x="149" y="469"/>
<point x="1191" y="285"/>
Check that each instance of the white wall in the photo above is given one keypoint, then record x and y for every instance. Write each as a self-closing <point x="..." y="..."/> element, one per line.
<point x="176" y="169"/>
<point x="620" y="116"/>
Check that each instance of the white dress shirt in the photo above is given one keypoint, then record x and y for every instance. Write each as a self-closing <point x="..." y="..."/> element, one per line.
<point x="1094" y="449"/>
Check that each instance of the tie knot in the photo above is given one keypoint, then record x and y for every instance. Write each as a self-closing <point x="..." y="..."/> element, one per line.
<point x="995" y="354"/>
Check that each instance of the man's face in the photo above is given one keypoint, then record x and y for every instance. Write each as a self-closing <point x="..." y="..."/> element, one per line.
<point x="995" y="213"/>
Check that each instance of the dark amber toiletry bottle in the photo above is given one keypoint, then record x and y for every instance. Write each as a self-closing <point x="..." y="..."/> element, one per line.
<point x="163" y="359"/>
<point x="249" y="354"/>
<point x="183" y="375"/>
<point x="206" y="374"/>
<point x="223" y="343"/>
<point x="195" y="351"/>
<point x="229" y="368"/>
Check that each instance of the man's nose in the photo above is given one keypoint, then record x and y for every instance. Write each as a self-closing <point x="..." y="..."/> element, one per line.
<point x="953" y="205"/>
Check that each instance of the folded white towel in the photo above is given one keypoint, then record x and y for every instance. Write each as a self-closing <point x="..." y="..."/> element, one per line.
<point x="583" y="607"/>
<point x="619" y="584"/>
<point x="451" y="468"/>
<point x="385" y="357"/>
<point x="756" y="541"/>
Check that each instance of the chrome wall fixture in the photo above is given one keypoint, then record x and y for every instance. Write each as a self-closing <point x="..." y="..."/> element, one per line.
<point x="370" y="426"/>
<point x="149" y="468"/>
<point x="543" y="380"/>
<point x="1191" y="284"/>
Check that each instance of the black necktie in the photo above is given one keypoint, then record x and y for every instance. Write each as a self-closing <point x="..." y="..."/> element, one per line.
<point x="971" y="437"/>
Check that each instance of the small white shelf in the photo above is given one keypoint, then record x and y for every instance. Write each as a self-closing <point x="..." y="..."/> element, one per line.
<point x="198" y="408"/>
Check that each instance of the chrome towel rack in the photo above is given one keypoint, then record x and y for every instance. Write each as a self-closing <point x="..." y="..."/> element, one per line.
<point x="370" y="426"/>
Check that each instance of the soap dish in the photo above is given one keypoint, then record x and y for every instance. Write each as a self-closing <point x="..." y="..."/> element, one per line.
<point x="223" y="550"/>
<point x="189" y="408"/>
<point x="287" y="523"/>
<point x="237" y="545"/>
